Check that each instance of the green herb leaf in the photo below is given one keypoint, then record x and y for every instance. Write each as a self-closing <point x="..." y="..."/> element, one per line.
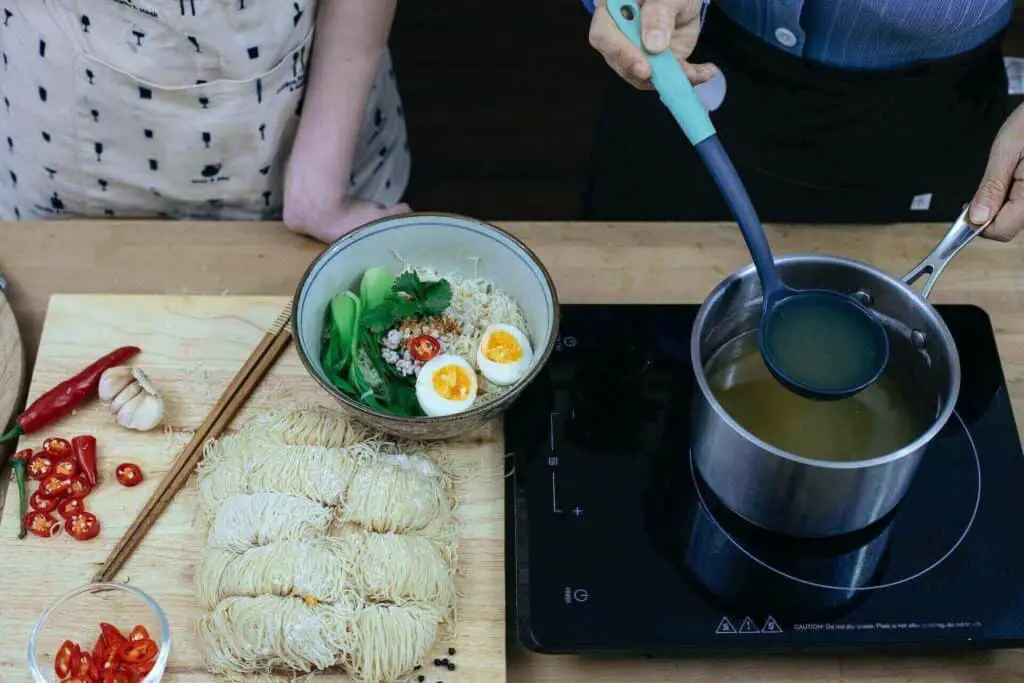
<point x="405" y="401"/>
<point x="408" y="282"/>
<point x="392" y="310"/>
<point x="404" y="308"/>
<point x="436" y="298"/>
<point x="380" y="318"/>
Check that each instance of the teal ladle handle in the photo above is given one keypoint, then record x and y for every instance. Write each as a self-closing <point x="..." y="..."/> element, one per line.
<point x="678" y="95"/>
<point x="667" y="75"/>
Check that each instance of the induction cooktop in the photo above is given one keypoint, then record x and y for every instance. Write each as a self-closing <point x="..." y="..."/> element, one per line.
<point x="617" y="546"/>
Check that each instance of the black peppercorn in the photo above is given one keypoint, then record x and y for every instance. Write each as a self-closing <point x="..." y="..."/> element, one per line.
<point x="451" y="650"/>
<point x="451" y="666"/>
<point x="417" y="667"/>
<point x="437" y="662"/>
<point x="421" y="678"/>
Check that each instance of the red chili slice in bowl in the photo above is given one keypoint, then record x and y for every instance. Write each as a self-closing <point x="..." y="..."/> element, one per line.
<point x="424" y="347"/>
<point x="65" y="659"/>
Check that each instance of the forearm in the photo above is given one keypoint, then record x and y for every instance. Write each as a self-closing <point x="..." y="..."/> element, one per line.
<point x="351" y="36"/>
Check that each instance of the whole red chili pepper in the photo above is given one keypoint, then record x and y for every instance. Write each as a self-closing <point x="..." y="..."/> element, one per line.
<point x="84" y="447"/>
<point x="19" y="463"/>
<point x="63" y="398"/>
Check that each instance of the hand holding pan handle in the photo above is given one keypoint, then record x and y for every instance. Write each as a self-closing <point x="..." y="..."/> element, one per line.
<point x="959" y="236"/>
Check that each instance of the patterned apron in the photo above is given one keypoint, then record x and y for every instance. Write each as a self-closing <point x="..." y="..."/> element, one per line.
<point x="168" y="108"/>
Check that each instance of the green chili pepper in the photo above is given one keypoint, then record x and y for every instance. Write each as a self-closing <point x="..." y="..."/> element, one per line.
<point x="20" y="466"/>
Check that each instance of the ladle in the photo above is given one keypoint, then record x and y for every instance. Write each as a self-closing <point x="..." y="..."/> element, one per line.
<point x="819" y="343"/>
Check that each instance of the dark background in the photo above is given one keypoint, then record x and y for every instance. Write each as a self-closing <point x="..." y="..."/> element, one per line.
<point x="501" y="103"/>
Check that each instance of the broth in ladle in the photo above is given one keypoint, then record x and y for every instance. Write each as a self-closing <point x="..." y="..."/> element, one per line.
<point x="876" y="421"/>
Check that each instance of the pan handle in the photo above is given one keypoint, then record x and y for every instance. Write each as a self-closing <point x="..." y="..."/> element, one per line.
<point x="959" y="236"/>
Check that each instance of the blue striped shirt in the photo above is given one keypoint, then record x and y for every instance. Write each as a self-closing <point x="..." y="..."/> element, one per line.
<point x="869" y="34"/>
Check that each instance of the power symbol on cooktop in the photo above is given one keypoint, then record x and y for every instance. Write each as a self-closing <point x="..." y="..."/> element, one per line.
<point x="570" y="342"/>
<point x="580" y="595"/>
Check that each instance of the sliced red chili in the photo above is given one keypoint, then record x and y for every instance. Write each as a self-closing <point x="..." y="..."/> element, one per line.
<point x="99" y="651"/>
<point x="82" y="526"/>
<point x="128" y="474"/>
<point x="40" y="502"/>
<point x="424" y="347"/>
<point x="58" y="447"/>
<point x="139" y="633"/>
<point x="82" y="665"/>
<point x="84" y="447"/>
<point x="41" y="524"/>
<point x="140" y="651"/>
<point x="111" y="635"/>
<point x="82" y="679"/>
<point x="65" y="468"/>
<point x="142" y="668"/>
<point x="69" y="507"/>
<point x="112" y="657"/>
<point x="79" y="488"/>
<point x="40" y="466"/>
<point x="55" y="487"/>
<point x="93" y="675"/>
<point x="139" y="671"/>
<point x="65" y="659"/>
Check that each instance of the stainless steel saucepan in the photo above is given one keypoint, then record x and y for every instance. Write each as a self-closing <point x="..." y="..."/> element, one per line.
<point x="800" y="496"/>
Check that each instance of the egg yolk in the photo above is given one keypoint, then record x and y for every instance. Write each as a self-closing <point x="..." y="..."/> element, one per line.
<point x="452" y="382"/>
<point x="502" y="347"/>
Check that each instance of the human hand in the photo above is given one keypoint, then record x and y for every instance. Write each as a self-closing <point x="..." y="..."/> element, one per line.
<point x="673" y="24"/>
<point x="353" y="213"/>
<point x="1001" y="192"/>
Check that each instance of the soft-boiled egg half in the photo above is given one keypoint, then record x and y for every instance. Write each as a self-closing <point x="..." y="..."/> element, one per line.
<point x="504" y="354"/>
<point x="446" y="385"/>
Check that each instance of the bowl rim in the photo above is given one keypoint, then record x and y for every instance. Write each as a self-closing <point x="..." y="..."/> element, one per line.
<point x="164" y="641"/>
<point x="499" y="403"/>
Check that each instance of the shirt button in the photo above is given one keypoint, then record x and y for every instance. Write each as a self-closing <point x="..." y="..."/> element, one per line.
<point x="785" y="37"/>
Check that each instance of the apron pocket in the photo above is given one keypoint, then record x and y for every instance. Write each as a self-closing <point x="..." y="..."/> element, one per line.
<point x="152" y="149"/>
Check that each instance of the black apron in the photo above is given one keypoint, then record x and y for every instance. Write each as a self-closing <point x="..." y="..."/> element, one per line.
<point x="812" y="143"/>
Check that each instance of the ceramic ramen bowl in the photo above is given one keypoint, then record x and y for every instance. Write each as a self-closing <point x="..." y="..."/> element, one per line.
<point x="448" y="244"/>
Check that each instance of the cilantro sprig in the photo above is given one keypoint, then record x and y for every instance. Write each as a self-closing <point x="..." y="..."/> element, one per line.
<point x="409" y="297"/>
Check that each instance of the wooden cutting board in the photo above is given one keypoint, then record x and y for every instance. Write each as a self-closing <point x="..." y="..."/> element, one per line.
<point x="12" y="363"/>
<point x="191" y="348"/>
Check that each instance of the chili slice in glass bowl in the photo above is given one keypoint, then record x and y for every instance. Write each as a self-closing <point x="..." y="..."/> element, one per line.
<point x="121" y="606"/>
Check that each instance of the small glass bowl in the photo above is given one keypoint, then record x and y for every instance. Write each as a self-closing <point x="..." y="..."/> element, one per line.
<point x="76" y="616"/>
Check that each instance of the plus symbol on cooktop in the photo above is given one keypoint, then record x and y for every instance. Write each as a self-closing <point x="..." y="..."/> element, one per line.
<point x="577" y="511"/>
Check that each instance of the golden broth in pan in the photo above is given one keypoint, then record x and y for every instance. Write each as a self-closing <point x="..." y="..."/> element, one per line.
<point x="878" y="420"/>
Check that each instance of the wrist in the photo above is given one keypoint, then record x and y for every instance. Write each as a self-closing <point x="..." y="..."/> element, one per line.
<point x="312" y="198"/>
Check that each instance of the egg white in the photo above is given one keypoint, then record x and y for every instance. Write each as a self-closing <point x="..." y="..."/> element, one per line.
<point x="432" y="403"/>
<point x="504" y="374"/>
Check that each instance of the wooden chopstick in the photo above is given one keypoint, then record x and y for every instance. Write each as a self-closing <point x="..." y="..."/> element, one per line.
<point x="223" y="412"/>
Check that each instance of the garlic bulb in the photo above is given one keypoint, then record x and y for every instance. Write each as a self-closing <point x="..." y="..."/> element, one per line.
<point x="133" y="400"/>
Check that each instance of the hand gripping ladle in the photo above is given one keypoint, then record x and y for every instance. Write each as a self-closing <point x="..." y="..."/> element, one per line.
<point x="819" y="343"/>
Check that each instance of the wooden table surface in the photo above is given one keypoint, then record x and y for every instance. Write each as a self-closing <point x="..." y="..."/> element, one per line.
<point x="590" y="263"/>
